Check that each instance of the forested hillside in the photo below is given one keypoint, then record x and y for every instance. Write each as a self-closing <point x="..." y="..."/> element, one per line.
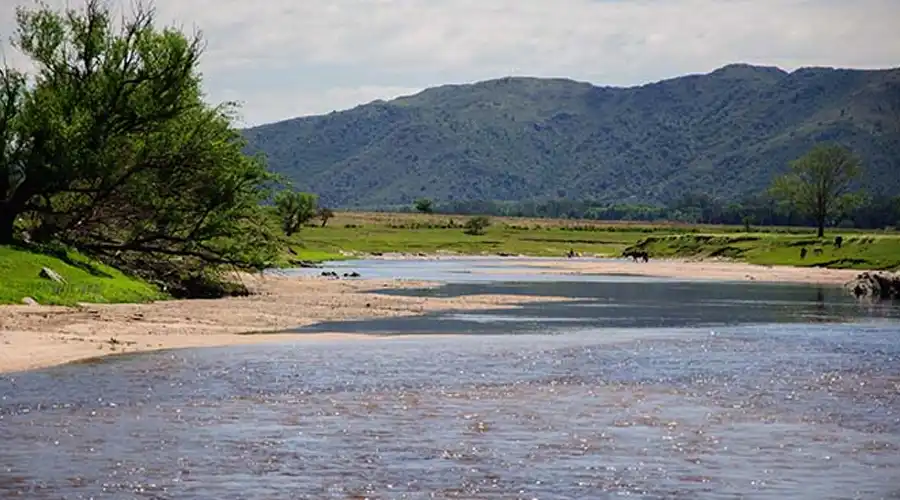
<point x="726" y="133"/>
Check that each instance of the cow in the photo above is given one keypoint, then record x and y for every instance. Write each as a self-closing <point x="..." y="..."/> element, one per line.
<point x="636" y="255"/>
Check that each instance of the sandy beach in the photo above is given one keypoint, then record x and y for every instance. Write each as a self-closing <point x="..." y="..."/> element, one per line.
<point x="39" y="336"/>
<point x="710" y="269"/>
<point x="704" y="269"/>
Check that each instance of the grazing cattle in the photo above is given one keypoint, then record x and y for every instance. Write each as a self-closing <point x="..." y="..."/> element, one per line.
<point x="637" y="254"/>
<point x="838" y="241"/>
<point x="803" y="253"/>
<point x="817" y="251"/>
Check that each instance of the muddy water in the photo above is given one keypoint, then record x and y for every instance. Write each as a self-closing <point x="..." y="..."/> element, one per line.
<point x="749" y="408"/>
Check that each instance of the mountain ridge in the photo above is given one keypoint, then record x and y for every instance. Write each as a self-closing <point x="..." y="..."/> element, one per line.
<point x="519" y="138"/>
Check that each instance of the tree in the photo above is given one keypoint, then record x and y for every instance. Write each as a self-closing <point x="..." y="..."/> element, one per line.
<point x="424" y="205"/>
<point x="477" y="225"/>
<point x="325" y="214"/>
<point x="818" y="184"/>
<point x="110" y="147"/>
<point x="295" y="209"/>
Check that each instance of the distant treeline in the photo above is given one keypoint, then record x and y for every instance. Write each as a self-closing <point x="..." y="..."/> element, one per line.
<point x="875" y="213"/>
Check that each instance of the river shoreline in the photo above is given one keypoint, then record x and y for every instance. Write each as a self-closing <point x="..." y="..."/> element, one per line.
<point x="40" y="336"/>
<point x="34" y="337"/>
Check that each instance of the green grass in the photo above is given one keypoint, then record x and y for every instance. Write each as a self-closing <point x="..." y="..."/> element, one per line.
<point x="356" y="234"/>
<point x="859" y="250"/>
<point x="368" y="233"/>
<point x="87" y="280"/>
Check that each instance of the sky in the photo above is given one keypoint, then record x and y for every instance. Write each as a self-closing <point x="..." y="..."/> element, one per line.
<point x="285" y="58"/>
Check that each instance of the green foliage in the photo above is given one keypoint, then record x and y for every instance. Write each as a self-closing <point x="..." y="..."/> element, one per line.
<point x="295" y="209"/>
<point x="424" y="205"/>
<point x="114" y="151"/>
<point x="86" y="279"/>
<point x="747" y="220"/>
<point x="325" y="214"/>
<point x="819" y="182"/>
<point x="727" y="133"/>
<point x="477" y="225"/>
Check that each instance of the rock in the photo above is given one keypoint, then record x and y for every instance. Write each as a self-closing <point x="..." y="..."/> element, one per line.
<point x="875" y="285"/>
<point x="28" y="301"/>
<point x="51" y="275"/>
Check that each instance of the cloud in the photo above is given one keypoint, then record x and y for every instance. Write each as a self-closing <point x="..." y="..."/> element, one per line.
<point x="288" y="57"/>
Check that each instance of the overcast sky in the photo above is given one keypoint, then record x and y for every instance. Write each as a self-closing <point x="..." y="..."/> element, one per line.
<point x="285" y="58"/>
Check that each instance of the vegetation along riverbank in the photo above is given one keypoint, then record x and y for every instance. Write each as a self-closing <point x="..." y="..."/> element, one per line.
<point x="119" y="182"/>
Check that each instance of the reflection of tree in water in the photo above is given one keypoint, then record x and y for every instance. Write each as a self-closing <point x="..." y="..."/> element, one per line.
<point x="879" y="308"/>
<point x="832" y="305"/>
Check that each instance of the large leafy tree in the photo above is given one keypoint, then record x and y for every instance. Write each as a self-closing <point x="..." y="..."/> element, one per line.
<point x="295" y="209"/>
<point x="111" y="147"/>
<point x="819" y="184"/>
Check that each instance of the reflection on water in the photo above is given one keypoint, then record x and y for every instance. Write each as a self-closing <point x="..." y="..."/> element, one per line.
<point x="647" y="390"/>
<point x="624" y="304"/>
<point x="473" y="270"/>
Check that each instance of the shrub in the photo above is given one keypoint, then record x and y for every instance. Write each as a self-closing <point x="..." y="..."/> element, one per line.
<point x="477" y="225"/>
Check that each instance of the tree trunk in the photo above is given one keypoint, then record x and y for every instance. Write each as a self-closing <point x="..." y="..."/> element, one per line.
<point x="821" y="229"/>
<point x="7" y="223"/>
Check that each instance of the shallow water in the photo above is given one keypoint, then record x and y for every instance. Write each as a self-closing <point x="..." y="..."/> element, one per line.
<point x="474" y="270"/>
<point x="618" y="303"/>
<point x="749" y="407"/>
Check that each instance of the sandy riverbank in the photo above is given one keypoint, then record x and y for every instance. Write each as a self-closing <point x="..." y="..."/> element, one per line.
<point x="702" y="269"/>
<point x="39" y="336"/>
<point x="709" y="269"/>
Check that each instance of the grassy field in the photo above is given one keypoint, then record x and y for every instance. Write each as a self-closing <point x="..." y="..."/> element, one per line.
<point x="87" y="281"/>
<point x="350" y="234"/>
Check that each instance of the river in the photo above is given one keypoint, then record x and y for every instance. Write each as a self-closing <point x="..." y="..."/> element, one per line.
<point x="640" y="387"/>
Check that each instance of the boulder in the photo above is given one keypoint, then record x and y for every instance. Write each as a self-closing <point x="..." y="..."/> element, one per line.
<point x="28" y="301"/>
<point x="876" y="285"/>
<point x="51" y="275"/>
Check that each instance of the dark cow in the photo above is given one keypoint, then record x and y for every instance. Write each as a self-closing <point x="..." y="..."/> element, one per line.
<point x="838" y="241"/>
<point x="637" y="255"/>
<point x="803" y="252"/>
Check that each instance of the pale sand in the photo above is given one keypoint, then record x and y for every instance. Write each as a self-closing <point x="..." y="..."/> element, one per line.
<point x="39" y="336"/>
<point x="702" y="269"/>
<point x="707" y="269"/>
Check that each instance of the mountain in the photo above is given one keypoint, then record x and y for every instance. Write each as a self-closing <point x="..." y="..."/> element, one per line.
<point x="726" y="133"/>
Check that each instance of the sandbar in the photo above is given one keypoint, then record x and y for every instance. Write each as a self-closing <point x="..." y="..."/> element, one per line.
<point x="33" y="337"/>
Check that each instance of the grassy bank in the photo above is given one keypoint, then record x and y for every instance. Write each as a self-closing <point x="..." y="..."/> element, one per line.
<point x="351" y="234"/>
<point x="86" y="280"/>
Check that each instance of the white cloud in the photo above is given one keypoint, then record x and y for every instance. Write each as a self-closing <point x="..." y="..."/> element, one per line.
<point x="289" y="57"/>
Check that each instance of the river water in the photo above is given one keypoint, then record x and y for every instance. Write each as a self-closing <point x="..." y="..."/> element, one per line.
<point x="638" y="387"/>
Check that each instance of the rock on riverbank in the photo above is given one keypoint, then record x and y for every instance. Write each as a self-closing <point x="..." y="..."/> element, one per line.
<point x="876" y="285"/>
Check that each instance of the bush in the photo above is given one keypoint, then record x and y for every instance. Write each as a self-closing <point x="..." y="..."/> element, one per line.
<point x="477" y="225"/>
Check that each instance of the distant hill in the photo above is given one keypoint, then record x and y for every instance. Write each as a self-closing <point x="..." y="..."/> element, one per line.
<point x="726" y="133"/>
